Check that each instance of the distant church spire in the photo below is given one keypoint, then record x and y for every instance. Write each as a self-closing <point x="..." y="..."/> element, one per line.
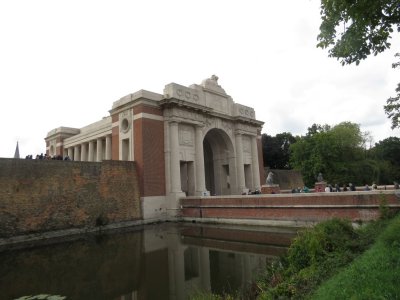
<point x="16" y="154"/>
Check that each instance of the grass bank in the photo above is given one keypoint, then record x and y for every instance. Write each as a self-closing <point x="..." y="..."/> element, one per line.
<point x="374" y="275"/>
<point x="333" y="260"/>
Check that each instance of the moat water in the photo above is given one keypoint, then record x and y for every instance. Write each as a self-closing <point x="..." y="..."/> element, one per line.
<point x="165" y="261"/>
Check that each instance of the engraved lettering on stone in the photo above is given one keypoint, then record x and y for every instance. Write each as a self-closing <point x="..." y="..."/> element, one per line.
<point x="246" y="144"/>
<point x="188" y="115"/>
<point x="186" y="135"/>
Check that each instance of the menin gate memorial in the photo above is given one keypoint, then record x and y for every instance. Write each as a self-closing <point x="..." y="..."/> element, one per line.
<point x="188" y="141"/>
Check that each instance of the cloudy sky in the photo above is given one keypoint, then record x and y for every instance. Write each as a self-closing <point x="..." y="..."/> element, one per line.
<point x="63" y="63"/>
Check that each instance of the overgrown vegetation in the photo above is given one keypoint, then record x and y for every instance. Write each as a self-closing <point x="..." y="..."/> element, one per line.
<point x="334" y="248"/>
<point x="342" y="153"/>
<point x="315" y="255"/>
<point x="374" y="275"/>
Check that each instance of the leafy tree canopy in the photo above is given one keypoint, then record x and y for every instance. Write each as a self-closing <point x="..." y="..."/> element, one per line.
<point x="316" y="128"/>
<point x="276" y="150"/>
<point x="337" y="152"/>
<point x="352" y="30"/>
<point x="388" y="150"/>
<point x="392" y="107"/>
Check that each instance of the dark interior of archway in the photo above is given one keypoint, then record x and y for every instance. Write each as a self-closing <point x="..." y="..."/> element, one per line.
<point x="209" y="167"/>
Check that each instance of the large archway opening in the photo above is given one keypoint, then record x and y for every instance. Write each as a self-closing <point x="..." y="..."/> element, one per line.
<point x="219" y="163"/>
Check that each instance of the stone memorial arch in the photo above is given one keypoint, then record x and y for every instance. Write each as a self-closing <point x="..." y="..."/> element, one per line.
<point x="188" y="141"/>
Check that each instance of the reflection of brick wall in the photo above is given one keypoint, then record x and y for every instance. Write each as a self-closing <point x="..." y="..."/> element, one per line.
<point x="102" y="268"/>
<point x="39" y="196"/>
<point x="313" y="207"/>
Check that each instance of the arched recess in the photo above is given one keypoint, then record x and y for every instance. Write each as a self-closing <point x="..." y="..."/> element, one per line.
<point x="219" y="163"/>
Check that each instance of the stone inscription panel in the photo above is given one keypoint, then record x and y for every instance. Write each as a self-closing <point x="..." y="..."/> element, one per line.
<point x="186" y="135"/>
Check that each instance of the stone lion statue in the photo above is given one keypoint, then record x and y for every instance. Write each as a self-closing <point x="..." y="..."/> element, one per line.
<point x="270" y="178"/>
<point x="320" y="178"/>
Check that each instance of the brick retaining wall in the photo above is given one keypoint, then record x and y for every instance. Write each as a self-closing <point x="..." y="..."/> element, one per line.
<point x="291" y="209"/>
<point x="47" y="195"/>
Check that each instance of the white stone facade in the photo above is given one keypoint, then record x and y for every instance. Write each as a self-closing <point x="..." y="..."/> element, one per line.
<point x="187" y="141"/>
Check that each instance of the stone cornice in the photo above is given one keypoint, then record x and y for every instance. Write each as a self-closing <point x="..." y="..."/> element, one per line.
<point x="131" y="100"/>
<point x="62" y="131"/>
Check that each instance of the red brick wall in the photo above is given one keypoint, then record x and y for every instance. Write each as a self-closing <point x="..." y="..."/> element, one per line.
<point x="47" y="195"/>
<point x="149" y="156"/>
<point x="114" y="138"/>
<point x="290" y="207"/>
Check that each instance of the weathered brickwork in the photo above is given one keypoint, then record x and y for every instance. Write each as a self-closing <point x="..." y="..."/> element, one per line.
<point x="149" y="156"/>
<point x="46" y="195"/>
<point x="314" y="207"/>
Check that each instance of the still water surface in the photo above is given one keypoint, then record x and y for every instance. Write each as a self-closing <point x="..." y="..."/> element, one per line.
<point x="166" y="261"/>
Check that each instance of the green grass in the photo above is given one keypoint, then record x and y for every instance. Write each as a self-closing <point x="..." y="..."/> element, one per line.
<point x="315" y="255"/>
<point x="374" y="275"/>
<point x="335" y="261"/>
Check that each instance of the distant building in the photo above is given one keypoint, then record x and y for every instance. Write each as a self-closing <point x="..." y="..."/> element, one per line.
<point x="16" y="154"/>
<point x="187" y="141"/>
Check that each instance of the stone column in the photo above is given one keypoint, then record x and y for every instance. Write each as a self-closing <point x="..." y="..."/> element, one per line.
<point x="77" y="153"/>
<point x="200" y="175"/>
<point x="175" y="166"/>
<point x="83" y="152"/>
<point x="255" y="164"/>
<point x="91" y="151"/>
<point x="108" y="147"/>
<point x="99" y="148"/>
<point x="70" y="152"/>
<point x="239" y="162"/>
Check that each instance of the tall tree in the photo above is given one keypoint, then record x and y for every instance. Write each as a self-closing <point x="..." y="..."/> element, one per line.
<point x="276" y="150"/>
<point x="353" y="30"/>
<point x="388" y="149"/>
<point x="392" y="107"/>
<point x="337" y="152"/>
<point x="387" y="154"/>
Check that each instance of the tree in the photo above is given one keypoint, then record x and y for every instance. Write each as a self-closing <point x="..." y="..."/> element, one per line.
<point x="392" y="107"/>
<point x="337" y="152"/>
<point x="388" y="150"/>
<point x="353" y="30"/>
<point x="316" y="128"/>
<point x="276" y="150"/>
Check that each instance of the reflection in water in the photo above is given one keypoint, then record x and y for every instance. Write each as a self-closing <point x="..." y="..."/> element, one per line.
<point x="168" y="261"/>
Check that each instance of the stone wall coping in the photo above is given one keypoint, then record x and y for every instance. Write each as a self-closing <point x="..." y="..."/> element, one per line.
<point x="294" y="195"/>
<point x="135" y="96"/>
